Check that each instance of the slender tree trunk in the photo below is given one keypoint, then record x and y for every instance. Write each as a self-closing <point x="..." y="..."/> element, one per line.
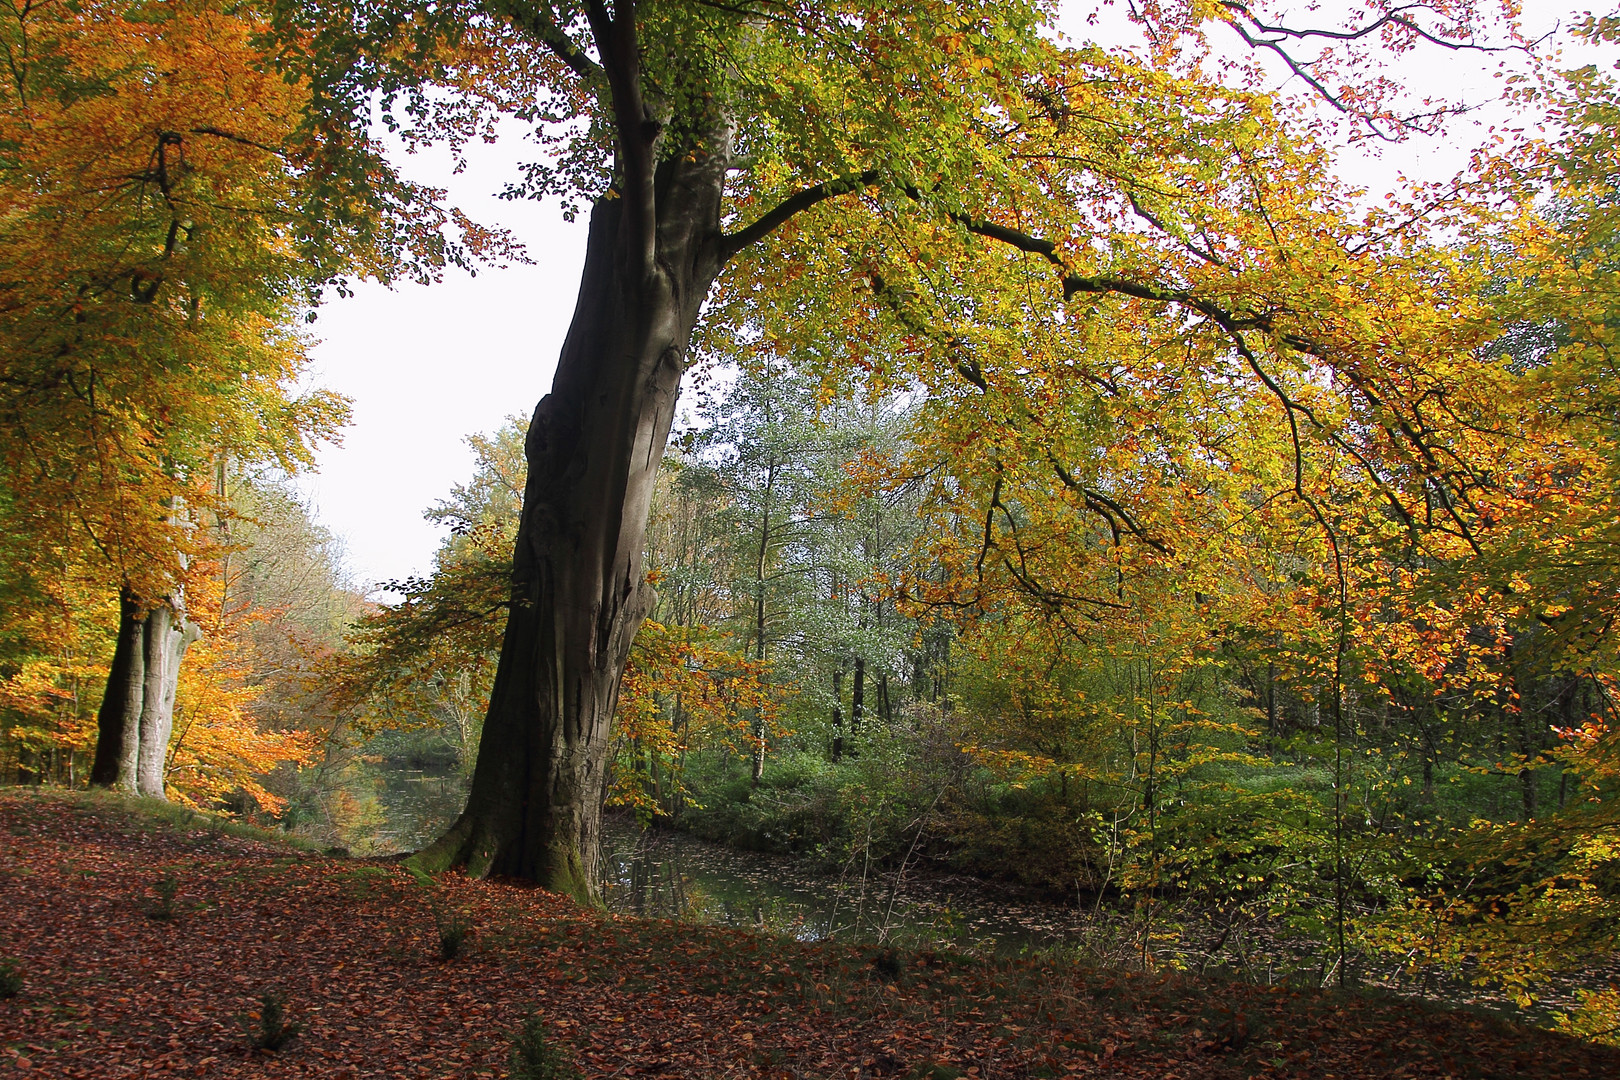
<point x="838" y="716"/>
<point x="1527" y="773"/>
<point x="578" y="589"/>
<point x="857" y="698"/>
<point x="759" y="611"/>
<point x="1271" y="700"/>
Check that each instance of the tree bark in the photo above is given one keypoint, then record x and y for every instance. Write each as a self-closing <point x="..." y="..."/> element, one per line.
<point x="137" y="709"/>
<point x="118" y="722"/>
<point x="578" y="589"/>
<point x="838" y="716"/>
<point x="168" y="635"/>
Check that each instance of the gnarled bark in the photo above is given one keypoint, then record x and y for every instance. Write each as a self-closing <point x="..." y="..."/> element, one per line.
<point x="578" y="594"/>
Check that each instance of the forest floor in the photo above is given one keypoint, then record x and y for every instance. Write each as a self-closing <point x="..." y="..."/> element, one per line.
<point x="119" y="981"/>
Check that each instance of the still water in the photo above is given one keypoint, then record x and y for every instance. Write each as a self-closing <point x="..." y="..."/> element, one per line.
<point x="672" y="876"/>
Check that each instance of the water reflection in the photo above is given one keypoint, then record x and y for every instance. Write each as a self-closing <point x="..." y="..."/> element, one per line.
<point x="667" y="875"/>
<point x="380" y="808"/>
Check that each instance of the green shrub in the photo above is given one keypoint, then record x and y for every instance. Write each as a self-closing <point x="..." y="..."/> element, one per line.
<point x="453" y="929"/>
<point x="166" y="888"/>
<point x="11" y="979"/>
<point x="268" y="1028"/>
<point x="536" y="1057"/>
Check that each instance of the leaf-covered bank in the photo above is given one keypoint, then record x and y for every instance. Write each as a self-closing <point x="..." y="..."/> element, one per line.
<point x="146" y="943"/>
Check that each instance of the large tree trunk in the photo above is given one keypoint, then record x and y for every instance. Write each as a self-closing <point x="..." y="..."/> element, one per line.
<point x="118" y="722"/>
<point x="137" y="709"/>
<point x="578" y="591"/>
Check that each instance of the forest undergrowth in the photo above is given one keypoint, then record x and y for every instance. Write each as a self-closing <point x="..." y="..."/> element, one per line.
<point x="149" y="940"/>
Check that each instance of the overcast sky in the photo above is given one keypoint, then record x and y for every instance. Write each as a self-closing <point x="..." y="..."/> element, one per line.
<point x="426" y="366"/>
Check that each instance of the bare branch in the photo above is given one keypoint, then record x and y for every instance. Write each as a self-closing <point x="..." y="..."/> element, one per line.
<point x="219" y="133"/>
<point x="1393" y="17"/>
<point x="1258" y="34"/>
<point x="1102" y="505"/>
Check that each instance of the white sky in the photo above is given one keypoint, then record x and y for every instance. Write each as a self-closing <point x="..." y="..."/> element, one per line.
<point x="426" y="366"/>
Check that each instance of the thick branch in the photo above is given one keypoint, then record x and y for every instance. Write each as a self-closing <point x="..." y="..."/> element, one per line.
<point x="220" y="133"/>
<point x="778" y="215"/>
<point x="541" y="23"/>
<point x="617" y="43"/>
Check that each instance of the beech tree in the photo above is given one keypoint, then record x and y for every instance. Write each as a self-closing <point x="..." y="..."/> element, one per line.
<point x="878" y="146"/>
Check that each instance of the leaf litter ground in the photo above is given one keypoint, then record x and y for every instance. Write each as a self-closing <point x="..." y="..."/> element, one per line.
<point x="119" y="982"/>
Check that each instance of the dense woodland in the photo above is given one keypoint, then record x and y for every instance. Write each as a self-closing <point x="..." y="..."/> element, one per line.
<point x="1075" y="484"/>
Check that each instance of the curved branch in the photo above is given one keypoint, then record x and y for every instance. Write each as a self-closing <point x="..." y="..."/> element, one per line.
<point x="1101" y="504"/>
<point x="220" y="133"/>
<point x="796" y="203"/>
<point x="1393" y="17"/>
<point x="1241" y="13"/>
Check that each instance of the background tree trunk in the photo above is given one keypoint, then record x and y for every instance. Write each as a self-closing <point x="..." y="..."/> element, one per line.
<point x="168" y="635"/>
<point x="137" y="709"/>
<point x="578" y="589"/>
<point x="838" y="716"/>
<point x="857" y="701"/>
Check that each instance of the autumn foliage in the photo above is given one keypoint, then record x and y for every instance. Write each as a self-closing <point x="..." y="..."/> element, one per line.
<point x="1090" y="487"/>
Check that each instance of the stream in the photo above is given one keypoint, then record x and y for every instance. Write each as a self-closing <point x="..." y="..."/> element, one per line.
<point x="670" y="875"/>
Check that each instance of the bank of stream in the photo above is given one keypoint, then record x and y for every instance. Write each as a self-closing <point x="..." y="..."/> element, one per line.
<point x="380" y="810"/>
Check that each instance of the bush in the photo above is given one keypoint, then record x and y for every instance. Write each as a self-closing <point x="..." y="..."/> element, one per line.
<point x="452" y="929"/>
<point x="166" y="889"/>
<point x="11" y="980"/>
<point x="535" y="1057"/>
<point x="269" y="1028"/>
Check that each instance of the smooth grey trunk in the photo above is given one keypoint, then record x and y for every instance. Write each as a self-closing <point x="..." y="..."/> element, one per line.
<point x="168" y="635"/>
<point x="578" y="589"/>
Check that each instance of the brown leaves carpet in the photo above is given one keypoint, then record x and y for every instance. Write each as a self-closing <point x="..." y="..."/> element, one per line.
<point x="119" y="983"/>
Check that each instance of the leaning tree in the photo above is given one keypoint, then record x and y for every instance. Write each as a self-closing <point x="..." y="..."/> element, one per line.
<point x="873" y="180"/>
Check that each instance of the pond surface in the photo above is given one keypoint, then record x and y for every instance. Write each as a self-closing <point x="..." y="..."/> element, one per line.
<point x="379" y="809"/>
<point x="672" y="876"/>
